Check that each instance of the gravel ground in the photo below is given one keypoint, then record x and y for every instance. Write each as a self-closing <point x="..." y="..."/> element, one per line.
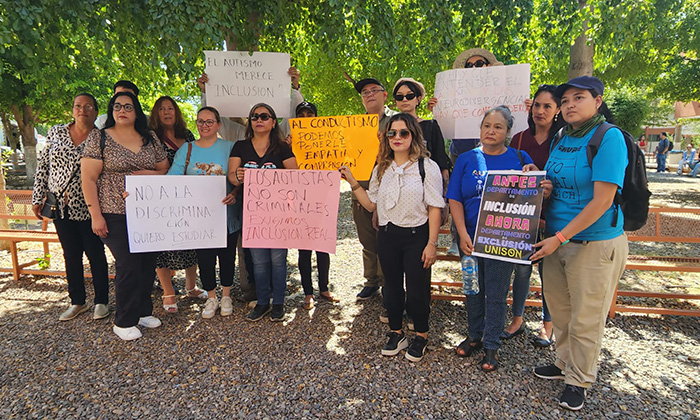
<point x="326" y="363"/>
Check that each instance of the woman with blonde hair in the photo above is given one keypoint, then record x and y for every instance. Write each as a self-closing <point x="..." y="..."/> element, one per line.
<point x="406" y="192"/>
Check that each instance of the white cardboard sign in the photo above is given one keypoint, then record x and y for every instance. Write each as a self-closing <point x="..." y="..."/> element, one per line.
<point x="172" y="212"/>
<point x="464" y="95"/>
<point x="238" y="80"/>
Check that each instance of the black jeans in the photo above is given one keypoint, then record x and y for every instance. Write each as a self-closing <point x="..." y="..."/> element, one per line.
<point x="323" y="261"/>
<point x="206" y="259"/>
<point x="77" y="238"/>
<point x="400" y="250"/>
<point x="135" y="273"/>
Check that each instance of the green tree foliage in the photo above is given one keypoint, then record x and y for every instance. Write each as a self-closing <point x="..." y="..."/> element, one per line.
<point x="630" y="109"/>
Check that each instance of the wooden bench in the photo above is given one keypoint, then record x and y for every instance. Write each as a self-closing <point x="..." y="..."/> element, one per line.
<point x="17" y="205"/>
<point x="665" y="225"/>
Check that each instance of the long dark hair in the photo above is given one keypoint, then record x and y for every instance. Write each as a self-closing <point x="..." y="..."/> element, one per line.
<point x="276" y="137"/>
<point x="154" y="119"/>
<point x="141" y="123"/>
<point x="417" y="150"/>
<point x="558" y="122"/>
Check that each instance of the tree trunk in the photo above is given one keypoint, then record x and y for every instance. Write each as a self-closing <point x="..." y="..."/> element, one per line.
<point x="581" y="52"/>
<point x="25" y="121"/>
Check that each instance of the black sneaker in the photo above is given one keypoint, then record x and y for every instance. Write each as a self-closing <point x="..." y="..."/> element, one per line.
<point x="549" y="372"/>
<point x="396" y="343"/>
<point x="573" y="397"/>
<point x="367" y="292"/>
<point x="417" y="349"/>
<point x="258" y="312"/>
<point x="277" y="313"/>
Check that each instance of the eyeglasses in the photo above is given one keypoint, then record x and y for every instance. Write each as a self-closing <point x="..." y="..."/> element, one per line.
<point x="366" y="93"/>
<point x="477" y="63"/>
<point x="208" y="123"/>
<point x="408" y="96"/>
<point x="86" y="108"/>
<point x="263" y="117"/>
<point x="127" y="107"/>
<point x="404" y="134"/>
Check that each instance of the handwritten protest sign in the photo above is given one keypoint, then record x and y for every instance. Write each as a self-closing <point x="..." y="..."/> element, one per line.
<point x="464" y="95"/>
<point x="509" y="216"/>
<point x="238" y="80"/>
<point x="170" y="212"/>
<point x="331" y="142"/>
<point x="285" y="208"/>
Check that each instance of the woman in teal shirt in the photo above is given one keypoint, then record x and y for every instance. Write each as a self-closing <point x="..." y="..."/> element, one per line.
<point x="585" y="254"/>
<point x="209" y="156"/>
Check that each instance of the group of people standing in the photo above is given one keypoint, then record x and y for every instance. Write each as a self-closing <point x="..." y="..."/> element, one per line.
<point x="398" y="213"/>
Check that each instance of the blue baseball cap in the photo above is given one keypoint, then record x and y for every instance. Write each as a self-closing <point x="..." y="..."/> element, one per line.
<point x="582" y="82"/>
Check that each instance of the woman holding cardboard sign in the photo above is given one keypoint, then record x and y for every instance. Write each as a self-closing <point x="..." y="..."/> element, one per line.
<point x="124" y="147"/>
<point x="264" y="147"/>
<point x="487" y="309"/>
<point x="209" y="156"/>
<point x="406" y="192"/>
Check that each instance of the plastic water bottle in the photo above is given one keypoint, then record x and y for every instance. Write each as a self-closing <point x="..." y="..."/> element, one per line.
<point x="470" y="275"/>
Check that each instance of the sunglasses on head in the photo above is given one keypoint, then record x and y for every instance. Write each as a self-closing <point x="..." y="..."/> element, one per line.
<point x="263" y="117"/>
<point x="404" y="133"/>
<point x="398" y="97"/>
<point x="477" y="63"/>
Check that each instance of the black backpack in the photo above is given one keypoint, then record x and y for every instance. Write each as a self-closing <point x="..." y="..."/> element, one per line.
<point x="634" y="199"/>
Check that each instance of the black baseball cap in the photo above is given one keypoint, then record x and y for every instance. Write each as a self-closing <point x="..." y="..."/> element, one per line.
<point x="364" y="82"/>
<point x="582" y="82"/>
<point x="306" y="105"/>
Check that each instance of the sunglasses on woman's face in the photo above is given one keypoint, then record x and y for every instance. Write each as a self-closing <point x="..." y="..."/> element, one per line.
<point x="477" y="63"/>
<point x="127" y="107"/>
<point x="263" y="117"/>
<point x="399" y="97"/>
<point x="404" y="134"/>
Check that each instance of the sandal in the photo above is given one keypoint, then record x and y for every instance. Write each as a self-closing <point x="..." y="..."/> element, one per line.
<point x="197" y="293"/>
<point x="467" y="347"/>
<point x="490" y="359"/>
<point x="170" y="308"/>
<point x="308" y="303"/>
<point x="328" y="297"/>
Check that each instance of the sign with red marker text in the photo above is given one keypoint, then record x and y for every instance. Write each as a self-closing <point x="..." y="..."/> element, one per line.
<point x="171" y="212"/>
<point x="238" y="80"/>
<point x="464" y="95"/>
<point x="509" y="216"/>
<point x="291" y="208"/>
<point x="331" y="142"/>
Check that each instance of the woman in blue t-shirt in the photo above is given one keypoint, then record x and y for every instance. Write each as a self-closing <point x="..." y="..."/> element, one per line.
<point x="209" y="156"/>
<point x="264" y="147"/>
<point x="585" y="254"/>
<point x="486" y="310"/>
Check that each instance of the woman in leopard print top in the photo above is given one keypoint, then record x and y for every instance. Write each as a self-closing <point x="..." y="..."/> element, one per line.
<point x="58" y="171"/>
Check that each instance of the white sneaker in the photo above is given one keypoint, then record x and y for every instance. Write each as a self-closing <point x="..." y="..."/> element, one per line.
<point x="210" y="308"/>
<point x="226" y="306"/>
<point x="149" y="322"/>
<point x="129" y="333"/>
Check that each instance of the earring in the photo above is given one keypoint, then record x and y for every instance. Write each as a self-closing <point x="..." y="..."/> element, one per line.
<point x="556" y="117"/>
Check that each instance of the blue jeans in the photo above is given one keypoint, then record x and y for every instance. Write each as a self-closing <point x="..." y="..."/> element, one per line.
<point x="660" y="163"/>
<point x="270" y="268"/>
<point x="486" y="311"/>
<point x="521" y="288"/>
<point x="695" y="168"/>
